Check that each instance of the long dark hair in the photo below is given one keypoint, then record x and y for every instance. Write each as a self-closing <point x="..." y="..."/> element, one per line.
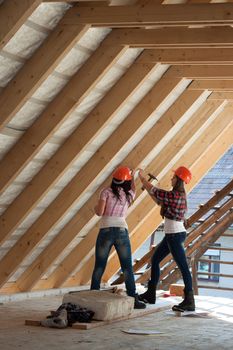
<point x="126" y="186"/>
<point x="179" y="187"/>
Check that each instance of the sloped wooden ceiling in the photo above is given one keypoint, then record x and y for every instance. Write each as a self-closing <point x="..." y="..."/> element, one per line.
<point x="84" y="87"/>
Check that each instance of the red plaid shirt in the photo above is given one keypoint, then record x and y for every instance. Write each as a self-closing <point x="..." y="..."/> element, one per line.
<point x="174" y="203"/>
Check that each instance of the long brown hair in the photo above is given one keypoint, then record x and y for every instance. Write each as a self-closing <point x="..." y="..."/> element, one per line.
<point x="179" y="187"/>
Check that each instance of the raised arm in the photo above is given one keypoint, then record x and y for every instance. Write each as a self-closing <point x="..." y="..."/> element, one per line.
<point x="146" y="184"/>
<point x="100" y="207"/>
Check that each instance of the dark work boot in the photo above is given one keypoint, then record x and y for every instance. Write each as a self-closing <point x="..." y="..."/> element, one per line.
<point x="138" y="304"/>
<point x="188" y="304"/>
<point x="150" y="295"/>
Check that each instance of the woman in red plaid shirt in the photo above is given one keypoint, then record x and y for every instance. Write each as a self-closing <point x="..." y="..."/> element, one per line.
<point x="112" y="206"/>
<point x="173" y="207"/>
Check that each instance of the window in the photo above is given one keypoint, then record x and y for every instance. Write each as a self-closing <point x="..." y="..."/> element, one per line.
<point x="208" y="269"/>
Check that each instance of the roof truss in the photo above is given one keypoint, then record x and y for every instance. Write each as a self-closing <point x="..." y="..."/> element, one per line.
<point x="195" y="39"/>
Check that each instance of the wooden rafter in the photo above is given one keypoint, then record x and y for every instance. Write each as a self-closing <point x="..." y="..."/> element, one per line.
<point x="58" y="110"/>
<point x="195" y="152"/>
<point x="71" y="193"/>
<point x="92" y="124"/>
<point x="149" y="218"/>
<point x="134" y="158"/>
<point x="211" y="84"/>
<point x="212" y="152"/>
<point x="179" y="38"/>
<point x="214" y="72"/>
<point x="192" y="56"/>
<point x="222" y="96"/>
<point x="215" y="225"/>
<point x="38" y="68"/>
<point x="205" y="208"/>
<point x="153" y="14"/>
<point x="12" y="16"/>
<point x="155" y="135"/>
<point x="210" y="67"/>
<point x="88" y="129"/>
<point x="152" y="219"/>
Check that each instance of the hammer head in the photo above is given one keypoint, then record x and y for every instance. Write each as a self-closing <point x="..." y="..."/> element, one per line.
<point x="151" y="176"/>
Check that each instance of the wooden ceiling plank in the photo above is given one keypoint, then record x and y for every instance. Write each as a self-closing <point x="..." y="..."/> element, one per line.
<point x="180" y="37"/>
<point x="53" y="250"/>
<point x="58" y="110"/>
<point x="153" y="14"/>
<point x="38" y="68"/>
<point x="192" y="56"/>
<point x="85" y="177"/>
<point x="13" y="14"/>
<point x="190" y="158"/>
<point x="213" y="85"/>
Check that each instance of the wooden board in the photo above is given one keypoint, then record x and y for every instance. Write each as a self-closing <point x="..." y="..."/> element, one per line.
<point x="198" y="313"/>
<point x="85" y="326"/>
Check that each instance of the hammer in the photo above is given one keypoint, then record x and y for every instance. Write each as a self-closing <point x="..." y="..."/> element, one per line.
<point x="151" y="177"/>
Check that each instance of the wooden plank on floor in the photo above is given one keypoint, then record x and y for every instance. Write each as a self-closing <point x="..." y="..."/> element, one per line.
<point x="160" y="306"/>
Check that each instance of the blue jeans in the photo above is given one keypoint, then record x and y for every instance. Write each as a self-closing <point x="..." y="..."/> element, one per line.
<point x="119" y="238"/>
<point x="172" y="243"/>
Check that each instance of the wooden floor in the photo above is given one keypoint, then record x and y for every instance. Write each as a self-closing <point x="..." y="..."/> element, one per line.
<point x="177" y="332"/>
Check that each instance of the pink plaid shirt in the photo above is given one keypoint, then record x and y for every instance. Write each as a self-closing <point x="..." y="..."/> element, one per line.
<point x="114" y="206"/>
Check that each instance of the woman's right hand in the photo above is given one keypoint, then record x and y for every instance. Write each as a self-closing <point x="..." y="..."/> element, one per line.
<point x="140" y="173"/>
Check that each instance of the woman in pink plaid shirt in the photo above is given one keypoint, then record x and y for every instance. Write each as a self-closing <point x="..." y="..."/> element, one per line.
<point x="112" y="206"/>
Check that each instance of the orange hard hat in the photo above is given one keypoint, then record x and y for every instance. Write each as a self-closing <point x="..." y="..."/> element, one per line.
<point x="122" y="173"/>
<point x="184" y="174"/>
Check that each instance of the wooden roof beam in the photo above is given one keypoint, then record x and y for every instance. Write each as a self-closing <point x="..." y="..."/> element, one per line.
<point x="134" y="158"/>
<point x="222" y="85"/>
<point x="37" y="68"/>
<point x="88" y="129"/>
<point x="58" y="110"/>
<point x="218" y="148"/>
<point x="221" y="95"/>
<point x="82" y="136"/>
<point x="211" y="72"/>
<point x="12" y="16"/>
<point x="35" y="271"/>
<point x="181" y="37"/>
<point x="153" y="220"/>
<point x="153" y="14"/>
<point x="192" y="56"/>
<point x="72" y="148"/>
<point x="192" y="158"/>
<point x="85" y="177"/>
